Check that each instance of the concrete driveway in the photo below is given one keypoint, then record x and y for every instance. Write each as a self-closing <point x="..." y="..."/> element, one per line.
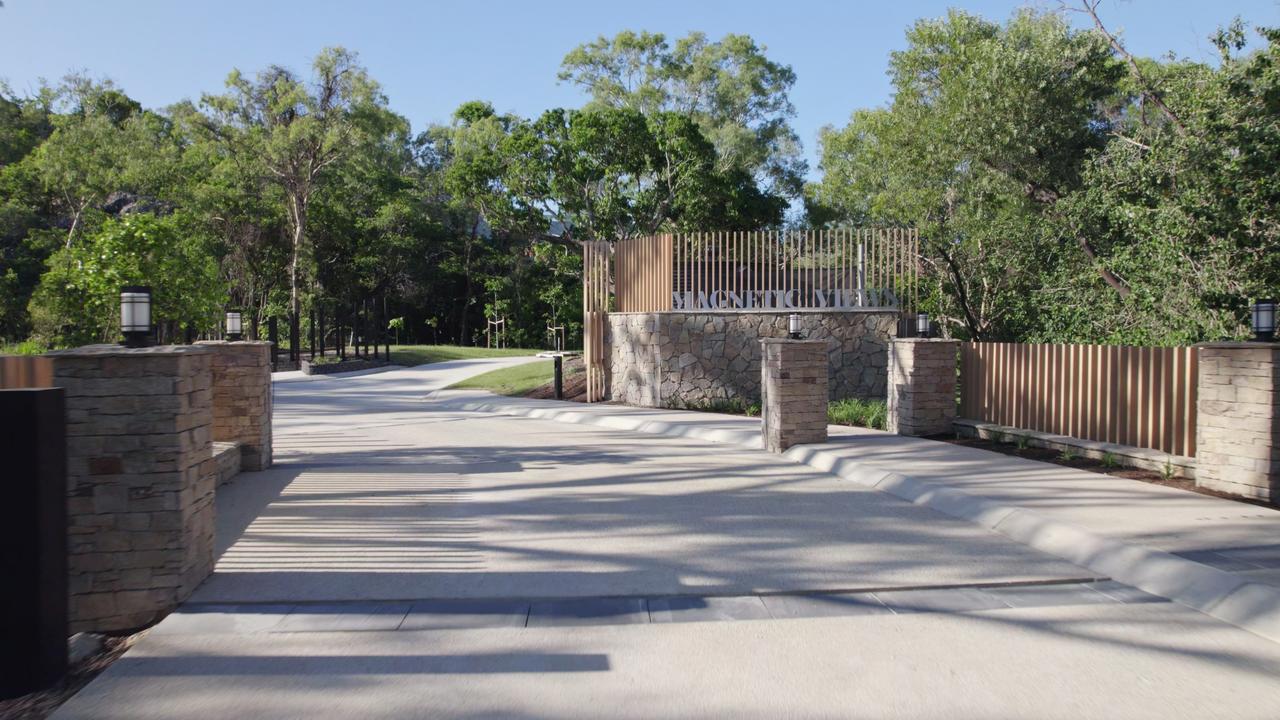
<point x="407" y="560"/>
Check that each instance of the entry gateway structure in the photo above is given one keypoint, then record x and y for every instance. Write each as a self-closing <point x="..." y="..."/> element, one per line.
<point x="675" y="319"/>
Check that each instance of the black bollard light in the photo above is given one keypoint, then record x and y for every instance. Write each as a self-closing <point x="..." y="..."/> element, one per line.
<point x="135" y="315"/>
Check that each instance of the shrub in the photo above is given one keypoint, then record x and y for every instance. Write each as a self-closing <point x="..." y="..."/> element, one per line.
<point x="854" y="411"/>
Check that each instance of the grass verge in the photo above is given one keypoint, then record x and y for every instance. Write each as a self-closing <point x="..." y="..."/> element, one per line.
<point x="517" y="381"/>
<point x="410" y="355"/>
<point x="852" y="411"/>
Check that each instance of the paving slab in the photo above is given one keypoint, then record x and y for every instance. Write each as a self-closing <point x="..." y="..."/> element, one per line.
<point x="588" y="611"/>
<point x="236" y="619"/>
<point x="1156" y="661"/>
<point x="1049" y="595"/>
<point x="457" y="614"/>
<point x="706" y="609"/>
<point x="949" y="600"/>
<point x="343" y="617"/>
<point x="826" y="605"/>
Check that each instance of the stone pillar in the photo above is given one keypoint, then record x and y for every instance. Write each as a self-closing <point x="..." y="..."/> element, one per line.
<point x="1238" y="419"/>
<point x="793" y="388"/>
<point x="242" y="399"/>
<point x="140" y="478"/>
<point x="922" y="386"/>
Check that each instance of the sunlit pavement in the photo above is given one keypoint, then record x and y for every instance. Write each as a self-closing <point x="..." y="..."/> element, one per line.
<point x="408" y="560"/>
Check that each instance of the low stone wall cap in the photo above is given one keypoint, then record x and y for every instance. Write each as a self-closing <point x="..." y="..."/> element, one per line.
<point x="233" y="342"/>
<point x="111" y="350"/>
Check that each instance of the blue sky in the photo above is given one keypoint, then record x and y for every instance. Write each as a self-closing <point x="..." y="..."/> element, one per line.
<point x="431" y="56"/>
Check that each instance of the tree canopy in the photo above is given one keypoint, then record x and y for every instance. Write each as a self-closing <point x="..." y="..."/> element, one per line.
<point x="1066" y="191"/>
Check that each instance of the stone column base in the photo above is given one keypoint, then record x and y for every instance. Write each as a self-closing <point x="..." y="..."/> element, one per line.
<point x="793" y="382"/>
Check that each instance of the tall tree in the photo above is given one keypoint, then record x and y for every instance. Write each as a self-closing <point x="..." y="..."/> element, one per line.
<point x="736" y="94"/>
<point x="989" y="127"/>
<point x="299" y="129"/>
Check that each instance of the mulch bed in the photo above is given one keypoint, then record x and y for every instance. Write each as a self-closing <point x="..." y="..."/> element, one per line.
<point x="575" y="383"/>
<point x="41" y="704"/>
<point x="1094" y="466"/>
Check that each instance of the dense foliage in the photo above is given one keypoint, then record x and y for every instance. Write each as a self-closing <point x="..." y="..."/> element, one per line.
<point x="1066" y="191"/>
<point x="290" y="193"/>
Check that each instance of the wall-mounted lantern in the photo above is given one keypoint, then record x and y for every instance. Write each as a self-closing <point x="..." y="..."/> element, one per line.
<point x="135" y="315"/>
<point x="235" y="327"/>
<point x="793" y="326"/>
<point x="1264" y="320"/>
<point x="923" y="327"/>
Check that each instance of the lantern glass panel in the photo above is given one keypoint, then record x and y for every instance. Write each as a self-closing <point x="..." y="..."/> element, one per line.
<point x="1264" y="316"/>
<point x="135" y="309"/>
<point x="234" y="324"/>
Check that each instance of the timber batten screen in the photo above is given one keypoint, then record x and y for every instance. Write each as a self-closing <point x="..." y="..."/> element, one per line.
<point x="1137" y="396"/>
<point x="595" y="306"/>
<point x="840" y="269"/>
<point x="837" y="269"/>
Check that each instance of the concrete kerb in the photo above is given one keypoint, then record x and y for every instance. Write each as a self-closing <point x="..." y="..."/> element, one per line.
<point x="1251" y="606"/>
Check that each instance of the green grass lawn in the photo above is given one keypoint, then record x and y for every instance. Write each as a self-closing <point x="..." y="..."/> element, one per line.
<point x="852" y="411"/>
<point x="411" y="355"/>
<point x="23" y="348"/>
<point x="516" y="380"/>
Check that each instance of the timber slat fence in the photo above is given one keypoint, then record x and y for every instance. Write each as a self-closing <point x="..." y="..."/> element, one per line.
<point x="1137" y="396"/>
<point x="811" y="268"/>
<point x="25" y="371"/>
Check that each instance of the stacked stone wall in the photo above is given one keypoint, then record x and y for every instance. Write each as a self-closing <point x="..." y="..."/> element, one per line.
<point x="141" y="479"/>
<point x="1238" y="419"/>
<point x="677" y="359"/>
<point x="242" y="399"/>
<point x="922" y="386"/>
<point x="794" y="382"/>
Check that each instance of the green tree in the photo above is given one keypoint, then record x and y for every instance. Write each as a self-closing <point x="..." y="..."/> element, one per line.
<point x="78" y="299"/>
<point x="989" y="127"/>
<point x="730" y="88"/>
<point x="299" y="130"/>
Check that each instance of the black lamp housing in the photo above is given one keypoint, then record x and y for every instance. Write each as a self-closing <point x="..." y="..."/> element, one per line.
<point x="924" y="328"/>
<point x="135" y="316"/>
<point x="1263" y="320"/>
<point x="235" y="326"/>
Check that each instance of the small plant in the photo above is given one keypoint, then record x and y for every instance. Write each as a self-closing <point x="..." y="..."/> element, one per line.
<point x="1023" y="442"/>
<point x="1068" y="455"/>
<point x="753" y="410"/>
<point x="1109" y="460"/>
<point x="1167" y="471"/>
<point x="854" y="411"/>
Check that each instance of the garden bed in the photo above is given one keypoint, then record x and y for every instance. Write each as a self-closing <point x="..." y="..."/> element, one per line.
<point x="1080" y="462"/>
<point x="329" y="366"/>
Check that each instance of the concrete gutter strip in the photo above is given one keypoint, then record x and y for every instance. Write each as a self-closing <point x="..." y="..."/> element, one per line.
<point x="1252" y="606"/>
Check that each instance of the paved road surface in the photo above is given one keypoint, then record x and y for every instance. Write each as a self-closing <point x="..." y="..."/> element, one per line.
<point x="408" y="560"/>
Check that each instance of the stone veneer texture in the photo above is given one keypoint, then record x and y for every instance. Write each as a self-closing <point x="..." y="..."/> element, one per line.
<point x="141" y="479"/>
<point x="242" y="399"/>
<point x="922" y="386"/>
<point x="678" y="359"/>
<point x="793" y="375"/>
<point x="1238" y="419"/>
